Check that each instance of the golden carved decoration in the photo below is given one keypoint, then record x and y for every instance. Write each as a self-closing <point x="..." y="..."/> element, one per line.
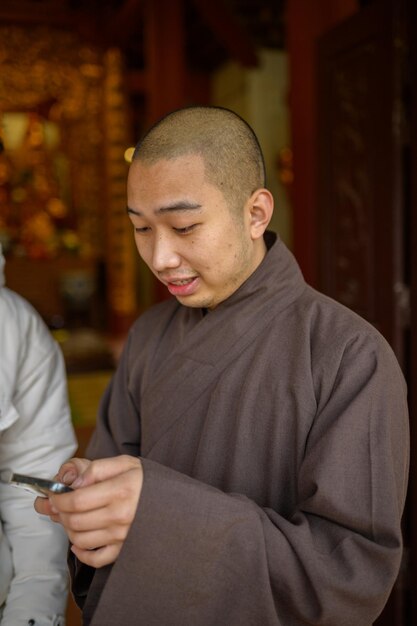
<point x="50" y="73"/>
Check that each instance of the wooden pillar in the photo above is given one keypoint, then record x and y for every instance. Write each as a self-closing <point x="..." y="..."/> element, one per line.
<point x="412" y="379"/>
<point x="306" y="21"/>
<point x="164" y="56"/>
<point x="166" y="74"/>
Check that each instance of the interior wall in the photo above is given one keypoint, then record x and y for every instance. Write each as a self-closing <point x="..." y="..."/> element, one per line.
<point x="260" y="96"/>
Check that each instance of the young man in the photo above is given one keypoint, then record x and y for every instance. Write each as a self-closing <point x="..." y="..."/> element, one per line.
<point x="36" y="436"/>
<point x="251" y="452"/>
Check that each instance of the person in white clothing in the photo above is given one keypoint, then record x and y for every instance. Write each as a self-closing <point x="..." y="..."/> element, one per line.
<point x="36" y="436"/>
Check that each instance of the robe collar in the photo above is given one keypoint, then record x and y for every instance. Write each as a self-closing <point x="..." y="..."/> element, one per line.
<point x="277" y="277"/>
<point x="215" y="341"/>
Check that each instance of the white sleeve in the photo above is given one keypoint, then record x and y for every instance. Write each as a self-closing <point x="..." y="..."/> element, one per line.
<point x="38" y="441"/>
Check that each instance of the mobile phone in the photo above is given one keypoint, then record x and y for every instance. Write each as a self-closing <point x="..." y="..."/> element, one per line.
<point x="38" y="486"/>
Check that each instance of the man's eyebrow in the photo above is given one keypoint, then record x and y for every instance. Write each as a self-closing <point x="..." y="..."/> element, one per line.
<point x="183" y="205"/>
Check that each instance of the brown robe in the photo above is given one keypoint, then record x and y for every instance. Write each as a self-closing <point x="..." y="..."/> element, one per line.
<point x="273" y="433"/>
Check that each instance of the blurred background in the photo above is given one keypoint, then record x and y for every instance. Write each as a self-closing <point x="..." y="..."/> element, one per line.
<point x="330" y="88"/>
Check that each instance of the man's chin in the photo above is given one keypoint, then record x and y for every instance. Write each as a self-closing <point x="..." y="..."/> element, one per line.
<point x="195" y="302"/>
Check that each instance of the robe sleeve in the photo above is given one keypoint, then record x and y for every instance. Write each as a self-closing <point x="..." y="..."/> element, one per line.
<point x="196" y="555"/>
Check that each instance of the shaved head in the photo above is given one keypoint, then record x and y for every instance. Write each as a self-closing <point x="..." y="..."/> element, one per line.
<point x="231" y="152"/>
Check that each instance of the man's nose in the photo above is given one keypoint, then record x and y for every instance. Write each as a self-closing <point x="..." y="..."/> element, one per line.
<point x="164" y="254"/>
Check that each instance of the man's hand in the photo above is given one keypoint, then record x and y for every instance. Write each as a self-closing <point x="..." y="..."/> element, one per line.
<point x="98" y="514"/>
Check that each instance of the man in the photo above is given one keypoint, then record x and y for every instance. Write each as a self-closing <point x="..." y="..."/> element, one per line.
<point x="252" y="448"/>
<point x="36" y="436"/>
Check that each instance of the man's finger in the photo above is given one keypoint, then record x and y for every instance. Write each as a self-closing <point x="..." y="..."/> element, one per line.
<point x="103" y="469"/>
<point x="97" y="558"/>
<point x="99" y="494"/>
<point x="71" y="469"/>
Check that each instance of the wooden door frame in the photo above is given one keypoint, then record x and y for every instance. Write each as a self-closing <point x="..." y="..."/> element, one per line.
<point x="306" y="21"/>
<point x="305" y="209"/>
<point x="412" y="492"/>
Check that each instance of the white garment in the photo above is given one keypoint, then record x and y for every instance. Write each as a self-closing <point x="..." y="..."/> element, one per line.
<point x="36" y="437"/>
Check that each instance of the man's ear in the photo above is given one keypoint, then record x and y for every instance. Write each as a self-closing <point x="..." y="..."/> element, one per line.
<point x="261" y="206"/>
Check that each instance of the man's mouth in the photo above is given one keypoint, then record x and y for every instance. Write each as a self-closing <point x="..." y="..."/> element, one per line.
<point x="183" y="286"/>
<point x="183" y="281"/>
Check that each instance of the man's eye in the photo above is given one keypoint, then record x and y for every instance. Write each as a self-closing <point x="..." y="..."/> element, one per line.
<point x="185" y="229"/>
<point x="142" y="230"/>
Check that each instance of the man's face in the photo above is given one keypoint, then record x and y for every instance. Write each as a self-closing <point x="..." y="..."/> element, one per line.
<point x="195" y="244"/>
